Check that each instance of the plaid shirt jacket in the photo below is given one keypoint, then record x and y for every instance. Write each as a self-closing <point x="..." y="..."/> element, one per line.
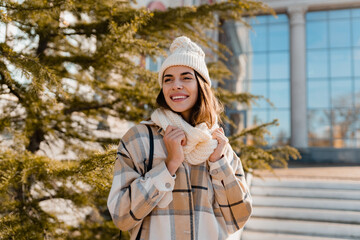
<point x="206" y="201"/>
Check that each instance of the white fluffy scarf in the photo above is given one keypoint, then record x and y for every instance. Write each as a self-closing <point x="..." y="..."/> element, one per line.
<point x="199" y="142"/>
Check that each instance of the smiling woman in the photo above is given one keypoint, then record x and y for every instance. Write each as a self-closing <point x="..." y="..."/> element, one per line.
<point x="197" y="183"/>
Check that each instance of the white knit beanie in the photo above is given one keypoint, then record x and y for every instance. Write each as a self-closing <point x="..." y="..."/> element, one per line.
<point x="184" y="52"/>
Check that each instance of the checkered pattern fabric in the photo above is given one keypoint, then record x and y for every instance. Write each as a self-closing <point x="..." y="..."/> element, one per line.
<point x="209" y="201"/>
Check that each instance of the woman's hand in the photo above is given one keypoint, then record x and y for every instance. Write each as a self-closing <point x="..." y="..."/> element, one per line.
<point x="174" y="139"/>
<point x="219" y="151"/>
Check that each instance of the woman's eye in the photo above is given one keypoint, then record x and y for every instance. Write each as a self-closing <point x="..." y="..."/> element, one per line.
<point x="166" y="80"/>
<point x="187" y="78"/>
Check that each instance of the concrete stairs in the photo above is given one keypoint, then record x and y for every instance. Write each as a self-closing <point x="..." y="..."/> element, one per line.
<point x="304" y="209"/>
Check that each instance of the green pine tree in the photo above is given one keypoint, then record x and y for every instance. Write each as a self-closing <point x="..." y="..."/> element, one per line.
<point x="58" y="79"/>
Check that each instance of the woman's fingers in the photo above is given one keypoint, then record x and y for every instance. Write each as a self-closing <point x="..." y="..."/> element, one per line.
<point x="169" y="129"/>
<point x="175" y="134"/>
<point x="178" y="135"/>
<point x="183" y="140"/>
<point x="220" y="137"/>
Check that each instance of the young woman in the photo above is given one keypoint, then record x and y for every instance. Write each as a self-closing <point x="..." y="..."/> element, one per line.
<point x="196" y="187"/>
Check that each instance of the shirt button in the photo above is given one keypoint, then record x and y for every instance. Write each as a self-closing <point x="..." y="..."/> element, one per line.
<point x="167" y="185"/>
<point x="213" y="172"/>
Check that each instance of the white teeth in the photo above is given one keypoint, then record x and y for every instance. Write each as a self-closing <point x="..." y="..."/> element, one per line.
<point x="179" y="97"/>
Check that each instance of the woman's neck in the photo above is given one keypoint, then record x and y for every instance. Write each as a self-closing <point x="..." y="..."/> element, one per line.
<point x="186" y="116"/>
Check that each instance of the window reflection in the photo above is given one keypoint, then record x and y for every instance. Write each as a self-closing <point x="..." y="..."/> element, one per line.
<point x="317" y="63"/>
<point x="355" y="12"/>
<point x="319" y="127"/>
<point x="281" y="18"/>
<point x="356" y="32"/>
<point x="341" y="93"/>
<point x="316" y="34"/>
<point x="318" y="94"/>
<point x="357" y="128"/>
<point x="333" y="73"/>
<point x="260" y="88"/>
<point x="269" y="75"/>
<point x="259" y="38"/>
<point x="259" y="117"/>
<point x="278" y="37"/>
<point x="339" y="33"/>
<point x="344" y="120"/>
<point x="258" y="20"/>
<point x="344" y="129"/>
<point x="340" y="62"/>
<point x="259" y="66"/>
<point x="280" y="93"/>
<point x="153" y="65"/>
<point x="316" y="142"/>
<point x="356" y="62"/>
<point x="357" y="93"/>
<point x="336" y="14"/>
<point x="316" y="15"/>
<point x="282" y="132"/>
<point x="344" y="143"/>
<point x="279" y="68"/>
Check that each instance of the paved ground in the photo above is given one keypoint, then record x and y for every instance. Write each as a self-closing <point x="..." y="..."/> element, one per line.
<point x="320" y="171"/>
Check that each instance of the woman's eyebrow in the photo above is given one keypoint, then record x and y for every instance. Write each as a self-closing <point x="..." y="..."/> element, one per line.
<point x="184" y="73"/>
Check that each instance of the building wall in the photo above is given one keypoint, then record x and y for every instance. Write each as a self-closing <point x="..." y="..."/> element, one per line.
<point x="323" y="87"/>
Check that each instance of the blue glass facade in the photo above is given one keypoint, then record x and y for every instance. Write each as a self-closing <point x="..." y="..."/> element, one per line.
<point x="333" y="78"/>
<point x="268" y="73"/>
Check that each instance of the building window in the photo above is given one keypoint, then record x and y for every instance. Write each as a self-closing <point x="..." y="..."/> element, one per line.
<point x="152" y="65"/>
<point x="268" y="74"/>
<point x="333" y="78"/>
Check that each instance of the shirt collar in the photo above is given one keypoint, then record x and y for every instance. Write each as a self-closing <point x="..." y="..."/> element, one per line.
<point x="151" y="123"/>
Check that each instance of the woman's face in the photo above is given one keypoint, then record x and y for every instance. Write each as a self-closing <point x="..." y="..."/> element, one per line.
<point x="180" y="89"/>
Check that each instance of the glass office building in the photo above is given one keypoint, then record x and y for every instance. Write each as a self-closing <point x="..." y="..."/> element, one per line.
<point x="331" y="50"/>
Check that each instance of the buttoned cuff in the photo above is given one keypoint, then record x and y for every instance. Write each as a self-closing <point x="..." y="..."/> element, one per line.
<point x="220" y="169"/>
<point x="162" y="178"/>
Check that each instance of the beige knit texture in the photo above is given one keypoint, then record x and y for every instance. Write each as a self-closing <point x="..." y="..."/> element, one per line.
<point x="184" y="52"/>
<point x="199" y="142"/>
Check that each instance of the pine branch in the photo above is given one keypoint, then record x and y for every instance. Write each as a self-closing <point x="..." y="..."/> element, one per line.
<point x="31" y="68"/>
<point x="14" y="87"/>
<point x="77" y="106"/>
<point x="31" y="6"/>
<point x="253" y="130"/>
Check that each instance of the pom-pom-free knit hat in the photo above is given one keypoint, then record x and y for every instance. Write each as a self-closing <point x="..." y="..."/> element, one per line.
<point x="184" y="52"/>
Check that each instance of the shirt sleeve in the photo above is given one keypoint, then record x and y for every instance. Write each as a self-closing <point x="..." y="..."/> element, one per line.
<point x="231" y="190"/>
<point x="133" y="195"/>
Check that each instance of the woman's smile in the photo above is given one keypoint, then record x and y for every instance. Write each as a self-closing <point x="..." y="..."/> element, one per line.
<point x="179" y="97"/>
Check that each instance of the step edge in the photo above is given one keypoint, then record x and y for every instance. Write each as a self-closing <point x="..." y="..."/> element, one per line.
<point x="292" y="234"/>
<point x="305" y="219"/>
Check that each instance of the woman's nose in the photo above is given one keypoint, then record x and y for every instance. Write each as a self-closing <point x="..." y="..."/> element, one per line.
<point x="177" y="85"/>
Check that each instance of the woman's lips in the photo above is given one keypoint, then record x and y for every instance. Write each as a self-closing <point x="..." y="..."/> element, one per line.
<point x="178" y="98"/>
